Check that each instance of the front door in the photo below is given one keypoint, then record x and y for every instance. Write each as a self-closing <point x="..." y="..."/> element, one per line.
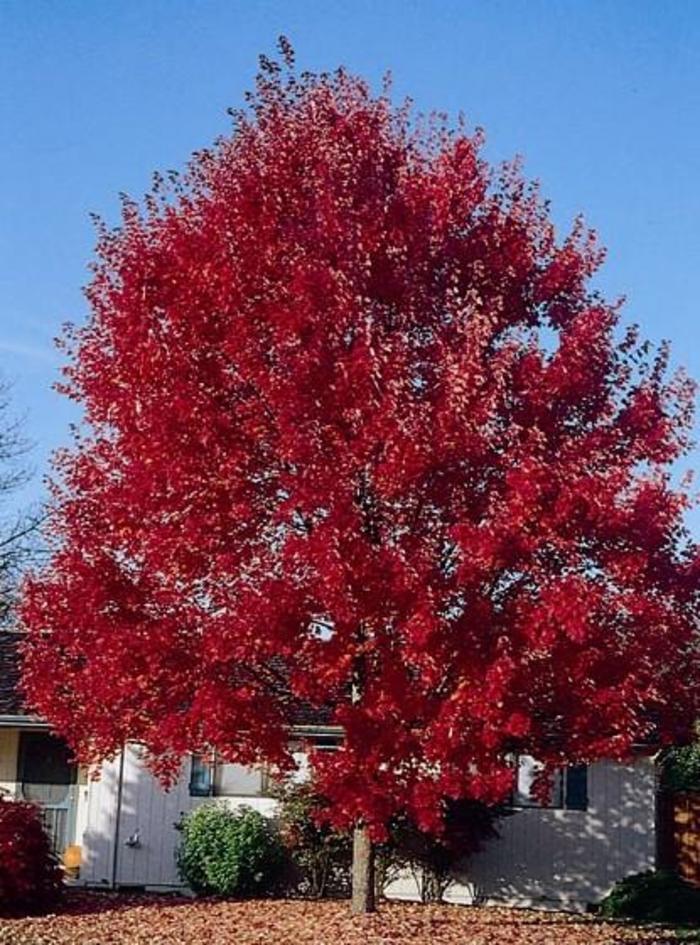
<point x="47" y="778"/>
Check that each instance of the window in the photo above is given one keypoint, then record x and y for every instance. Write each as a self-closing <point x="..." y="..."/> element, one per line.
<point x="225" y="779"/>
<point x="576" y="787"/>
<point x="302" y="743"/>
<point x="569" y="789"/>
<point x="326" y="742"/>
<point x="47" y="777"/>
<point x="232" y="780"/>
<point x="46" y="771"/>
<point x="200" y="777"/>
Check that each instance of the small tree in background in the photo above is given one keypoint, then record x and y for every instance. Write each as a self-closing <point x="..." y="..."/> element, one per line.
<point x="680" y="768"/>
<point x="18" y="529"/>
<point x="433" y="860"/>
<point x="360" y="433"/>
<point x="321" y="855"/>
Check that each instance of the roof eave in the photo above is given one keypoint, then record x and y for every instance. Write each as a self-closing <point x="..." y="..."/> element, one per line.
<point x="22" y="721"/>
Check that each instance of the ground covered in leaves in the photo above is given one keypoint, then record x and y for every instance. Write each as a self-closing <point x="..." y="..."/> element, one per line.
<point x="103" y="919"/>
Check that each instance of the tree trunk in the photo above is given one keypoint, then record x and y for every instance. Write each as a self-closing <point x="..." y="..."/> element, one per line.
<point x="362" y="850"/>
<point x="362" y="872"/>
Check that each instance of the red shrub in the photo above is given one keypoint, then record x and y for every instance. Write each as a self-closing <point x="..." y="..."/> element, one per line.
<point x="30" y="877"/>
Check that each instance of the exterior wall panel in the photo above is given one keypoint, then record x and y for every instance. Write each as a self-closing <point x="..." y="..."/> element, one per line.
<point x="148" y="813"/>
<point x="564" y="858"/>
<point x="549" y="858"/>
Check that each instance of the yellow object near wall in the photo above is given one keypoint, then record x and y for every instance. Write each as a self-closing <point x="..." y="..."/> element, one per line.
<point x="73" y="856"/>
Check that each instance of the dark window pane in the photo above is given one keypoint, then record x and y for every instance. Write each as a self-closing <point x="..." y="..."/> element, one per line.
<point x="556" y="799"/>
<point x="200" y="777"/>
<point x="577" y="787"/>
<point x="326" y="742"/>
<point x="45" y="769"/>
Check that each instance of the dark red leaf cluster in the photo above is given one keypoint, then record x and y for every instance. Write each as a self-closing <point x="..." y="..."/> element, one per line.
<point x="30" y="877"/>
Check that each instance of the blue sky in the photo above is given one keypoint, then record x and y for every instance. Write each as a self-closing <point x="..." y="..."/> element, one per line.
<point x="600" y="98"/>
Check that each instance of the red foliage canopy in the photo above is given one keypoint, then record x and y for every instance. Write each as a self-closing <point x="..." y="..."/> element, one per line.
<point x="353" y="409"/>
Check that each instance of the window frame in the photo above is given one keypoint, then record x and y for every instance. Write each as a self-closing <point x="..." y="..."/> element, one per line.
<point x="209" y="786"/>
<point x="563" y="791"/>
<point x="322" y="740"/>
<point x="198" y="766"/>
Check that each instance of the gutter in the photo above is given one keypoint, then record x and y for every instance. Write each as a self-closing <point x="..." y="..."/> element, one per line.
<point x="316" y="730"/>
<point x="22" y="721"/>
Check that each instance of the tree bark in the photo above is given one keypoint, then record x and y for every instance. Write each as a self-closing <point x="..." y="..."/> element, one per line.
<point x="363" y="901"/>
<point x="362" y="851"/>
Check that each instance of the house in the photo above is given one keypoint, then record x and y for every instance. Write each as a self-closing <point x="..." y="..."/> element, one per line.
<point x="599" y="826"/>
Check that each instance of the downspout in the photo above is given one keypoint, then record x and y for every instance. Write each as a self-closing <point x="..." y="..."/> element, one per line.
<point x="118" y="817"/>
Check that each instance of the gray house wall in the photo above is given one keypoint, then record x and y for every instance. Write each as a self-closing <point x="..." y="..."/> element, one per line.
<point x="565" y="858"/>
<point x="547" y="858"/>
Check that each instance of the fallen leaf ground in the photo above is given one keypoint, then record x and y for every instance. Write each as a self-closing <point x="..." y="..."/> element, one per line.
<point x="94" y="919"/>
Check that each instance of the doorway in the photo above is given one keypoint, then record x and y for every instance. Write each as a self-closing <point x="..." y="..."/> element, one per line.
<point x="48" y="778"/>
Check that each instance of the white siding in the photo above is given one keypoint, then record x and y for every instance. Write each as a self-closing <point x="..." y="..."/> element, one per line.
<point x="543" y="857"/>
<point x="565" y="858"/>
<point x="148" y="810"/>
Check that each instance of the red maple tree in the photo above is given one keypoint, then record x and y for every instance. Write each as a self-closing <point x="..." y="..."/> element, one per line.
<point x="353" y="410"/>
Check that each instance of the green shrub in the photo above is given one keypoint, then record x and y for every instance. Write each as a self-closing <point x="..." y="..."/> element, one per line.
<point x="680" y="768"/>
<point x="659" y="896"/>
<point x="227" y="852"/>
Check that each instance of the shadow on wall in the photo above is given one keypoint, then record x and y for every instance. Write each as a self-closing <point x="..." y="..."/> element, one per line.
<point x="570" y="857"/>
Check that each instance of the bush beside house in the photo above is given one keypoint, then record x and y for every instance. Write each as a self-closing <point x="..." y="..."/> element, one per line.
<point x="31" y="879"/>
<point x="680" y="769"/>
<point x="658" y="896"/>
<point x="320" y="857"/>
<point x="241" y="853"/>
<point x="228" y="852"/>
<point x="433" y="860"/>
